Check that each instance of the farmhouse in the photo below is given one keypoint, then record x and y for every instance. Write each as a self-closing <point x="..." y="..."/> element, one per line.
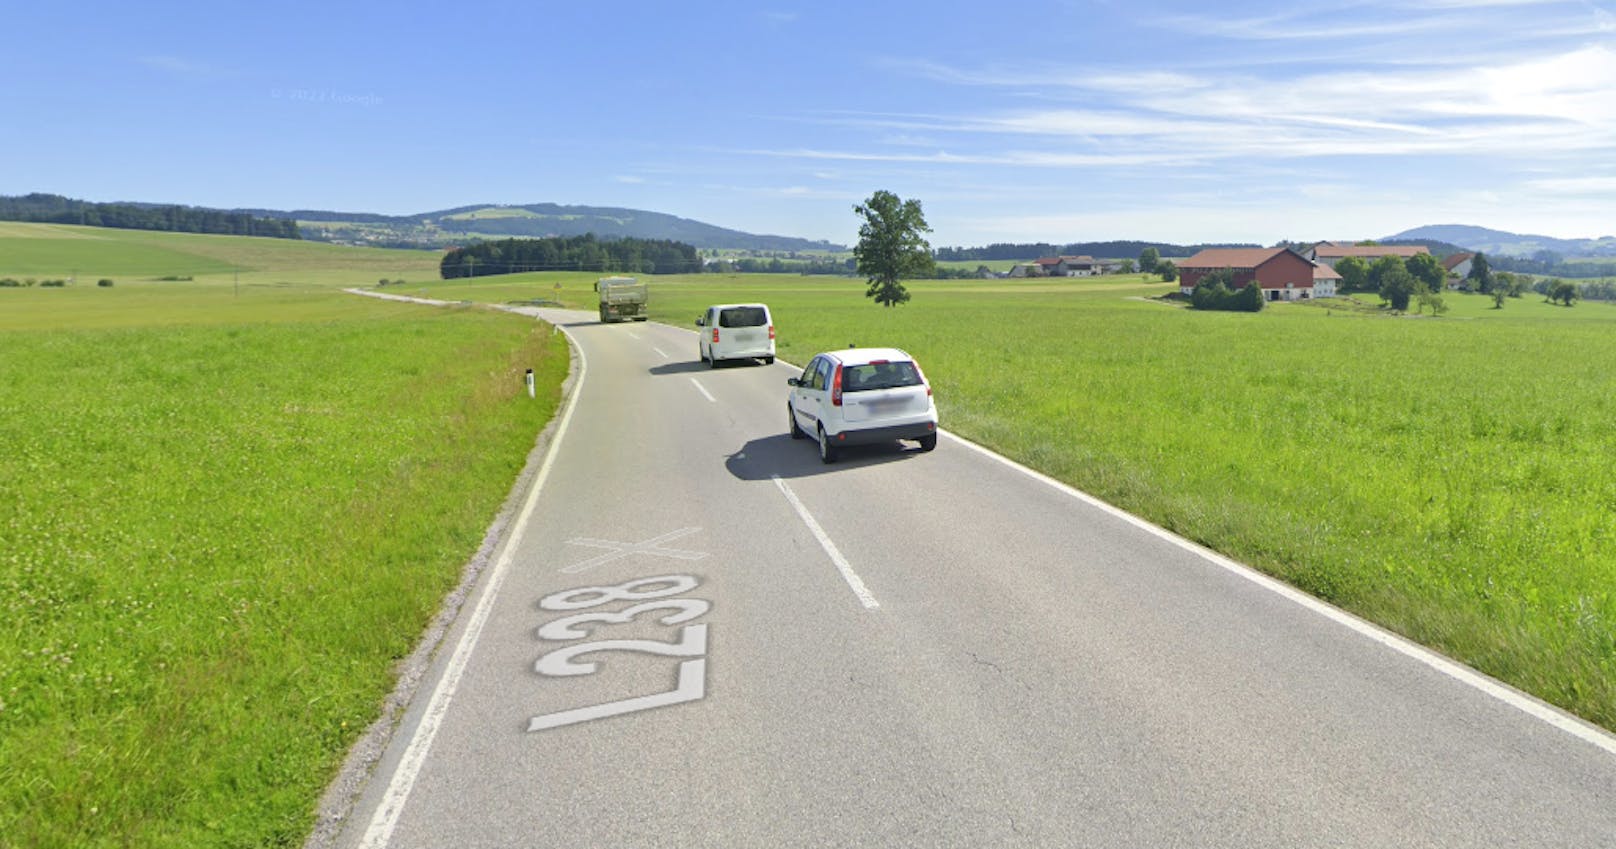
<point x="1070" y="266"/>
<point x="1458" y="266"/>
<point x="1331" y="253"/>
<point x="1283" y="274"/>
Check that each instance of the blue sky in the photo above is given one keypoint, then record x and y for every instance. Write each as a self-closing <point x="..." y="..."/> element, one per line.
<point x="1010" y="122"/>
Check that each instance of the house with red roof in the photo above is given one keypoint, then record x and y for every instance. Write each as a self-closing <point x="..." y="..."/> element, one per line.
<point x="1330" y="253"/>
<point x="1458" y="266"/>
<point x="1283" y="274"/>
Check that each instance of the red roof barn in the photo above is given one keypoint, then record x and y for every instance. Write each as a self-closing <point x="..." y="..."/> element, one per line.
<point x="1283" y="274"/>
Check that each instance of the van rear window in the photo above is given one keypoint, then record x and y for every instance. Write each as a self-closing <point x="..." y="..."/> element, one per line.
<point x="879" y="376"/>
<point x="743" y="317"/>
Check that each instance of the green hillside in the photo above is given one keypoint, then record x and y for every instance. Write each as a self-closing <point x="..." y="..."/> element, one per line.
<point x="89" y="253"/>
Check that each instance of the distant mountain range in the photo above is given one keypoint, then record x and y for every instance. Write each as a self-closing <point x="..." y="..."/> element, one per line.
<point x="1499" y="242"/>
<point x="467" y="223"/>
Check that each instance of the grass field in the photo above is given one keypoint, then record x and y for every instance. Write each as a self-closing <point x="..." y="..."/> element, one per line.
<point x="229" y="504"/>
<point x="223" y="518"/>
<point x="1449" y="478"/>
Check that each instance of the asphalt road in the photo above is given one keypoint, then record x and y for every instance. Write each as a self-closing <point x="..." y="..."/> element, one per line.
<point x="919" y="649"/>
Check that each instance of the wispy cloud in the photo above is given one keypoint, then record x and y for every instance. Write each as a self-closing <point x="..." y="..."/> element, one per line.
<point x="177" y="65"/>
<point x="628" y="178"/>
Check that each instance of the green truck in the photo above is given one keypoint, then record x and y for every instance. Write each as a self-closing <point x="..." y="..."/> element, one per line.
<point x="621" y="299"/>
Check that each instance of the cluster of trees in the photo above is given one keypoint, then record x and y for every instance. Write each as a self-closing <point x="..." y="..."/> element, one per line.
<point x="1596" y="290"/>
<point x="1419" y="279"/>
<point x="55" y="209"/>
<point x="781" y="265"/>
<point x="1216" y="291"/>
<point x="1150" y="262"/>
<point x="1551" y="264"/>
<point x="571" y="253"/>
<point x="14" y="283"/>
<point x="1002" y="250"/>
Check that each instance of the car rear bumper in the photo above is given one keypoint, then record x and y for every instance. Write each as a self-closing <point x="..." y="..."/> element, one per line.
<point x="742" y="353"/>
<point x="889" y="433"/>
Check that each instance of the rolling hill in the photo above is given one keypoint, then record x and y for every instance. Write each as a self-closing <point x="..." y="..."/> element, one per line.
<point x="465" y="223"/>
<point x="1504" y="243"/>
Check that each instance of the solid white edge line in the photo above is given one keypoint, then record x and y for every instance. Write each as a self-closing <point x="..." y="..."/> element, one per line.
<point x="387" y="813"/>
<point x="1521" y="701"/>
<point x="836" y="557"/>
<point x="703" y="390"/>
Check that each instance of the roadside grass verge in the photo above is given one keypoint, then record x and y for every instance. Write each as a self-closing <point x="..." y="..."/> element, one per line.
<point x="1447" y="478"/>
<point x="221" y="524"/>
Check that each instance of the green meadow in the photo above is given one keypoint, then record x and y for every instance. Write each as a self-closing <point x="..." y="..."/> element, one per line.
<point x="226" y="510"/>
<point x="1448" y="478"/>
<point x="228" y="505"/>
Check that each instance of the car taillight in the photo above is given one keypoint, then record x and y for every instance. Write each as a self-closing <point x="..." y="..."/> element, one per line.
<point x="771" y="333"/>
<point x="923" y="381"/>
<point x="836" y="388"/>
<point x="715" y="334"/>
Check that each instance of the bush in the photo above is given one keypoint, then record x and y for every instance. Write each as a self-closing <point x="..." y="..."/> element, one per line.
<point x="54" y="284"/>
<point x="10" y="283"/>
<point x="1212" y="294"/>
<point x="104" y="283"/>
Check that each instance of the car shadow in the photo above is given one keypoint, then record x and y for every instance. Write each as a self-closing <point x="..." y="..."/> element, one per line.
<point x="701" y="365"/>
<point x="781" y="456"/>
<point x="686" y="367"/>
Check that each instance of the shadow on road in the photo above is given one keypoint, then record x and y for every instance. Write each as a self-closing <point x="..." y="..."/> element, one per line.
<point x="701" y="365"/>
<point x="687" y="367"/>
<point x="784" y="457"/>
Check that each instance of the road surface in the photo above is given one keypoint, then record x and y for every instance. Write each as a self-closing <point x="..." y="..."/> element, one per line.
<point x="698" y="635"/>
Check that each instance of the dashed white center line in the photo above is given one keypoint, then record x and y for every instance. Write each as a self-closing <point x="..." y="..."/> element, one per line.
<point x="836" y="557"/>
<point x="703" y="390"/>
<point x="660" y="351"/>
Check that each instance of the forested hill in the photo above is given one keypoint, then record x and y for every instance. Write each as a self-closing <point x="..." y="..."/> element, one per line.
<point x="55" y="209"/>
<point x="464" y="224"/>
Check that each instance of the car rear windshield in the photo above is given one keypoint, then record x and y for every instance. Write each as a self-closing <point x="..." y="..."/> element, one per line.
<point x="879" y="376"/>
<point x="743" y="317"/>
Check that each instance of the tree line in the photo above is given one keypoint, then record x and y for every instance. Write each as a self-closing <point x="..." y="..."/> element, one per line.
<point x="1551" y="264"/>
<point x="55" y="209"/>
<point x="1029" y="250"/>
<point x="570" y="253"/>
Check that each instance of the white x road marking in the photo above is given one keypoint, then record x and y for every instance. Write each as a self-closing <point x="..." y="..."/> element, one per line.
<point x="620" y="550"/>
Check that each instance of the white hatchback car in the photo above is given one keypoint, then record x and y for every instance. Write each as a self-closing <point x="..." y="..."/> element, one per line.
<point x="735" y="332"/>
<point x="858" y="396"/>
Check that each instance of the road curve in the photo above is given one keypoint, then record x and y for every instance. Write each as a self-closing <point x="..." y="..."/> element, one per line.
<point x="698" y="635"/>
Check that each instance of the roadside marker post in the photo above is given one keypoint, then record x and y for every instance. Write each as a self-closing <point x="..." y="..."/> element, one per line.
<point x="530" y="392"/>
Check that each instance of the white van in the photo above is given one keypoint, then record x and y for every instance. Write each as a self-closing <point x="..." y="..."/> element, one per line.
<point x="735" y="332"/>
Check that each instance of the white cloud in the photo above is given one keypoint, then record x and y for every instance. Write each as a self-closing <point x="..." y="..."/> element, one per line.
<point x="628" y="178"/>
<point x="176" y="65"/>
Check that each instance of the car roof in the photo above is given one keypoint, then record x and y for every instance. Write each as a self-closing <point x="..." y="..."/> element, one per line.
<point x="864" y="356"/>
<point x="729" y="306"/>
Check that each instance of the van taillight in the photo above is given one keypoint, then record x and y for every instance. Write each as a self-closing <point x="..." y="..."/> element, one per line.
<point x="836" y="388"/>
<point x="771" y="333"/>
<point x="715" y="334"/>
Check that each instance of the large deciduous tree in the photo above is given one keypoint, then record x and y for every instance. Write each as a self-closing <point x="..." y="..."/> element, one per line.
<point x="1427" y="269"/>
<point x="1397" y="287"/>
<point x="1354" y="274"/>
<point x="1148" y="258"/>
<point x="891" y="247"/>
<point x="1482" y="273"/>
